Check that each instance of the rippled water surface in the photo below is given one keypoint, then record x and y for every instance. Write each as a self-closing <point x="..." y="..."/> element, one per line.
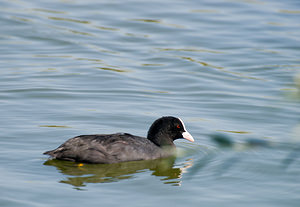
<point x="229" y="68"/>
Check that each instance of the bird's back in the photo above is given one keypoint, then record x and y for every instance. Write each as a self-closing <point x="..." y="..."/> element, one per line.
<point x="107" y="148"/>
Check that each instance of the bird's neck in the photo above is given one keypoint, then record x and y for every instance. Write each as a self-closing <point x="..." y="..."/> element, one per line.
<point x="161" y="139"/>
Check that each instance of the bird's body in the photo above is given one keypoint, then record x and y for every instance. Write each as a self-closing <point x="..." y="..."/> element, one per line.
<point x="122" y="147"/>
<point x="106" y="148"/>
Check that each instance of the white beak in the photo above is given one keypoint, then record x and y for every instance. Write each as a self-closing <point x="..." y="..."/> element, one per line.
<point x="188" y="136"/>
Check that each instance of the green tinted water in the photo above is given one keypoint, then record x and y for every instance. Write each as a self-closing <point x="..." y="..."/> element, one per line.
<point x="84" y="67"/>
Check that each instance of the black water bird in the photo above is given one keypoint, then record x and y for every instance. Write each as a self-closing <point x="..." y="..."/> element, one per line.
<point x="122" y="147"/>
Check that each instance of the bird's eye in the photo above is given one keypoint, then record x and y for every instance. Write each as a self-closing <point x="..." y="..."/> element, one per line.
<point x="178" y="126"/>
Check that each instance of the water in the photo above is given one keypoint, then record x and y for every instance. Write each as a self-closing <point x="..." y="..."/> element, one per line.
<point x="82" y="67"/>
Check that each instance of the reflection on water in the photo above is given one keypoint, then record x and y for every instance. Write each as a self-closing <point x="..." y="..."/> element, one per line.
<point x="225" y="141"/>
<point x="291" y="157"/>
<point x="79" y="174"/>
<point x="297" y="84"/>
<point x="293" y="92"/>
<point x="158" y="22"/>
<point x="200" y="62"/>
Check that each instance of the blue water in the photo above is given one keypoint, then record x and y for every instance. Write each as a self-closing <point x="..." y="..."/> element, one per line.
<point x="226" y="67"/>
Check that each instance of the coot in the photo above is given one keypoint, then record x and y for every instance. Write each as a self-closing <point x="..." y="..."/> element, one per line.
<point x="122" y="147"/>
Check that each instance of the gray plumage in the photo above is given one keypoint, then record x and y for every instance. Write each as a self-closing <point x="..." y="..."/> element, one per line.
<point x="108" y="148"/>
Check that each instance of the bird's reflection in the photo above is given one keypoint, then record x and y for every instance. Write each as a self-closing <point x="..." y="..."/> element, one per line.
<point x="79" y="174"/>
